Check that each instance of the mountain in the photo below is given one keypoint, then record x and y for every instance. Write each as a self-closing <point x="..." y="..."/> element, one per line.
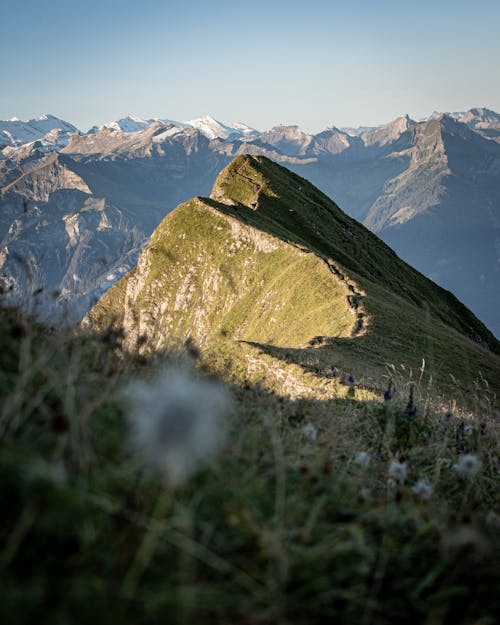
<point x="442" y="213"/>
<point x="60" y="247"/>
<point x="213" y="129"/>
<point x="388" y="133"/>
<point x="17" y="132"/>
<point x="356" y="131"/>
<point x="429" y="189"/>
<point x="273" y="266"/>
<point x="208" y="126"/>
<point x="288" y="139"/>
<point x="129" y="123"/>
<point x="482" y="120"/>
<point x="115" y="185"/>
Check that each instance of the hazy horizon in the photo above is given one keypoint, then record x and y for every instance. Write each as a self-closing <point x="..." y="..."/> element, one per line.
<point x="314" y="65"/>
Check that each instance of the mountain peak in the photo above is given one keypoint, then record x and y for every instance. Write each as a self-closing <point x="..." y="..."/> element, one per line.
<point x="20" y="132"/>
<point x="214" y="129"/>
<point x="129" y="123"/>
<point x="388" y="133"/>
<point x="271" y="263"/>
<point x="401" y="123"/>
<point x="135" y="118"/>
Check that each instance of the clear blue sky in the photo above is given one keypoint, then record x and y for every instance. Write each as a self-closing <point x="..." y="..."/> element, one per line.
<point x="312" y="62"/>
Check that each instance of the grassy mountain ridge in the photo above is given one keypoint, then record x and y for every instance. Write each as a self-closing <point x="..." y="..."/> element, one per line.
<point x="268" y="260"/>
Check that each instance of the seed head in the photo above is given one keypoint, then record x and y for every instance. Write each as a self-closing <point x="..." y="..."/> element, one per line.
<point x="468" y="465"/>
<point x="177" y="421"/>
<point x="397" y="471"/>
<point x="310" y="431"/>
<point x="362" y="458"/>
<point x="422" y="489"/>
<point x="468" y="429"/>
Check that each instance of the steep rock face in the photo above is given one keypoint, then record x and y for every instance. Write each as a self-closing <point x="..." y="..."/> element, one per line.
<point x="442" y="214"/>
<point x="60" y="247"/>
<point x="333" y="142"/>
<point x="270" y="262"/>
<point x="388" y="133"/>
<point x="420" y="186"/>
<point x="433" y="195"/>
<point x="288" y="139"/>
<point x="37" y="183"/>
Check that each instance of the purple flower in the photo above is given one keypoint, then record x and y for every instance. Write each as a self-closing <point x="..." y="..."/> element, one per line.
<point x="411" y="409"/>
<point x="335" y="371"/>
<point x="351" y="379"/>
<point x="388" y="394"/>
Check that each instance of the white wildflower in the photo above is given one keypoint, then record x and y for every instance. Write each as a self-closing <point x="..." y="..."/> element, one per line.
<point x="362" y="458"/>
<point x="310" y="431"/>
<point x="397" y="471"/>
<point x="176" y="421"/>
<point x="468" y="465"/>
<point x="468" y="430"/>
<point x="422" y="489"/>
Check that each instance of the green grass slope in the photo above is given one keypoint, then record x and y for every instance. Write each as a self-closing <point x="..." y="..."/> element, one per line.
<point x="270" y="264"/>
<point x="305" y="517"/>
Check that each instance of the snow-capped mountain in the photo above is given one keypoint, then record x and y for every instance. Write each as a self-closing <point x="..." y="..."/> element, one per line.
<point x="208" y="126"/>
<point x="213" y="129"/>
<point x="17" y="132"/>
<point x="484" y="121"/>
<point x="129" y="123"/>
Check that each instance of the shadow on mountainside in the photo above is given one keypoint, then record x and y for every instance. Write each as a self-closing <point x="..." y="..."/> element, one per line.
<point x="268" y="197"/>
<point x="343" y="361"/>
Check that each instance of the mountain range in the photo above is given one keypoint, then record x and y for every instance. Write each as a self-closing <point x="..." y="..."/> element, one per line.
<point x="77" y="208"/>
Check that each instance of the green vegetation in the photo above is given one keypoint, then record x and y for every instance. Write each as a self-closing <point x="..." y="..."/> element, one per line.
<point x="270" y="260"/>
<point x="290" y="523"/>
<point x="357" y="481"/>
